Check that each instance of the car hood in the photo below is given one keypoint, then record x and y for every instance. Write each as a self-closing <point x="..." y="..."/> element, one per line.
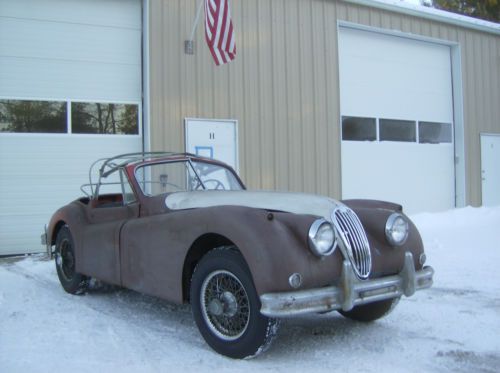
<point x="297" y="203"/>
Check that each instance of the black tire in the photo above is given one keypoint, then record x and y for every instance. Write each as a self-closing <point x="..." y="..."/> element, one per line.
<point x="226" y="306"/>
<point x="371" y="311"/>
<point x="72" y="281"/>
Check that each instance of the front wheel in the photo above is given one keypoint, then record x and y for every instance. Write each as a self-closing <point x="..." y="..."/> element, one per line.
<point x="226" y="306"/>
<point x="371" y="311"/>
<point x="72" y="281"/>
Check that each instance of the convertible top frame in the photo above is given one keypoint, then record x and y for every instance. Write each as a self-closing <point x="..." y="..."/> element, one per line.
<point x="107" y="166"/>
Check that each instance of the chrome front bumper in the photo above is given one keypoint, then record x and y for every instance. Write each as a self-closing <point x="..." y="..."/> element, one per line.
<point x="349" y="293"/>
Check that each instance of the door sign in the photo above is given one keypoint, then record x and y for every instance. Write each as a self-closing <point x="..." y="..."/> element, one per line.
<point x="213" y="138"/>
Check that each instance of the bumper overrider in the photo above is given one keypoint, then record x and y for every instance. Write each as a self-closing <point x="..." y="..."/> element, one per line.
<point x="349" y="293"/>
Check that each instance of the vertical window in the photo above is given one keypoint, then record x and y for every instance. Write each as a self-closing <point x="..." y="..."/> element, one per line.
<point x="397" y="130"/>
<point x="27" y="116"/>
<point x="359" y="129"/>
<point x="104" y="118"/>
<point x="127" y="191"/>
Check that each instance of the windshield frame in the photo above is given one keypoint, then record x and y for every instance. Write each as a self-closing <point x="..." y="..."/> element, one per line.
<point x="196" y="174"/>
<point x="188" y="162"/>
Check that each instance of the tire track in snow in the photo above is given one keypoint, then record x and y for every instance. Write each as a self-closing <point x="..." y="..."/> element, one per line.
<point x="138" y="310"/>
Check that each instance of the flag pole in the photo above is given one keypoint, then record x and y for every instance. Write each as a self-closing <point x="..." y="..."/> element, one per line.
<point x="188" y="44"/>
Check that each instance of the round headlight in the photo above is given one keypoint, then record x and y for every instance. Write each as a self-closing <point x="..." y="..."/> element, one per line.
<point x="322" y="238"/>
<point x="396" y="229"/>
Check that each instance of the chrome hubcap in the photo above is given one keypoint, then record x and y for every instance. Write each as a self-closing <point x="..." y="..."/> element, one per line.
<point x="224" y="305"/>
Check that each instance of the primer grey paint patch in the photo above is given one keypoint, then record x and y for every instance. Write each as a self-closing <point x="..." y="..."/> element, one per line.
<point x="297" y="203"/>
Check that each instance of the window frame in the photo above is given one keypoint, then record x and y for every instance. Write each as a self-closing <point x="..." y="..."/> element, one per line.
<point x="375" y="123"/>
<point x="415" y="124"/>
<point x="69" y="131"/>
<point x="410" y="124"/>
<point x="63" y="104"/>
<point x="442" y="124"/>
<point x="190" y="163"/>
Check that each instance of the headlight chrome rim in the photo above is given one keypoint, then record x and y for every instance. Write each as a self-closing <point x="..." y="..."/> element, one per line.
<point x="313" y="239"/>
<point x="391" y="229"/>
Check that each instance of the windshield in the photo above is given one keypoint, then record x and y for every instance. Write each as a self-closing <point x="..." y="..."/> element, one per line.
<point x="181" y="176"/>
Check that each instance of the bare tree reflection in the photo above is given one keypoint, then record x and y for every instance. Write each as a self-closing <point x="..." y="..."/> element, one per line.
<point x="33" y="116"/>
<point x="104" y="118"/>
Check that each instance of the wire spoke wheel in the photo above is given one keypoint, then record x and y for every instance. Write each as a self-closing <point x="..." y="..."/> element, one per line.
<point x="72" y="281"/>
<point x="66" y="260"/>
<point x="225" y="305"/>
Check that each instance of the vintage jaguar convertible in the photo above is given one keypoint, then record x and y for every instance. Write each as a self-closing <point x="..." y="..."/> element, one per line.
<point x="183" y="228"/>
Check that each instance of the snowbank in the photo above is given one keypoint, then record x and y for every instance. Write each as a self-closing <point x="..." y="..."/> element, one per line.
<point x="463" y="246"/>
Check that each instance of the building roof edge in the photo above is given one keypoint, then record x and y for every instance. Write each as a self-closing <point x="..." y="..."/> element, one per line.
<point x="431" y="14"/>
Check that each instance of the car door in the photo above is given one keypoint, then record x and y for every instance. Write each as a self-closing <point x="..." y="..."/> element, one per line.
<point x="106" y="217"/>
<point x="150" y="261"/>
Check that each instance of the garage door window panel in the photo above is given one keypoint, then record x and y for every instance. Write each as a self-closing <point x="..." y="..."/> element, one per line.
<point x="359" y="129"/>
<point x="33" y="116"/>
<point x="397" y="130"/>
<point x="104" y="118"/>
<point x="434" y="133"/>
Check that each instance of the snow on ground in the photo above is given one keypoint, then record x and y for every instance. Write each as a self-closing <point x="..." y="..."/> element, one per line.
<point x="452" y="327"/>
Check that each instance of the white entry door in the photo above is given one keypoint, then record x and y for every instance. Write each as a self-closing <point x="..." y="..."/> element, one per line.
<point x="490" y="169"/>
<point x="213" y="138"/>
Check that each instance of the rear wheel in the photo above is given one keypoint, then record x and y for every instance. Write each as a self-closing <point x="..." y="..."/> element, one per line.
<point x="72" y="281"/>
<point x="371" y="311"/>
<point x="226" y="306"/>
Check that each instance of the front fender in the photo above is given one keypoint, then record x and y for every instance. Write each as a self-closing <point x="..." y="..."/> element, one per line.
<point x="386" y="259"/>
<point x="274" y="245"/>
<point x="73" y="216"/>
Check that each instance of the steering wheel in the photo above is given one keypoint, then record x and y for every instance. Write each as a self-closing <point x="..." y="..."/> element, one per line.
<point x="164" y="185"/>
<point x="218" y="185"/>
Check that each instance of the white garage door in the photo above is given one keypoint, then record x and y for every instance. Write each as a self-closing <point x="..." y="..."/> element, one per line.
<point x="397" y="120"/>
<point x="70" y="92"/>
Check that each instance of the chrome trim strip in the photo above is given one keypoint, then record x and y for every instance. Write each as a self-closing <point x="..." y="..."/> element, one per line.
<point x="389" y="225"/>
<point x="353" y="242"/>
<point x="349" y="293"/>
<point x="313" y="230"/>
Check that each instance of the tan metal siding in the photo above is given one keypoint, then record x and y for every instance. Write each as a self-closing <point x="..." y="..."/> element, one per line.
<point x="283" y="87"/>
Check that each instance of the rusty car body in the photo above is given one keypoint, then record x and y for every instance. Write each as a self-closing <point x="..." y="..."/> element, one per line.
<point x="184" y="228"/>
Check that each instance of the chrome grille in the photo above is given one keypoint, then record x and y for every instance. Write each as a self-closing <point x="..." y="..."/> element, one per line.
<point x="354" y="240"/>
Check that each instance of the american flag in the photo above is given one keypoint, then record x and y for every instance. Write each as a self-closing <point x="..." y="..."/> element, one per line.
<point x="219" y="31"/>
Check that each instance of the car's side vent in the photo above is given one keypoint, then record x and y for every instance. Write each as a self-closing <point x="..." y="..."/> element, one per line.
<point x="354" y="240"/>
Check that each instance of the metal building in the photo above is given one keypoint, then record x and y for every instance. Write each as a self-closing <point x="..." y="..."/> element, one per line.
<point x="345" y="98"/>
<point x="417" y="86"/>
